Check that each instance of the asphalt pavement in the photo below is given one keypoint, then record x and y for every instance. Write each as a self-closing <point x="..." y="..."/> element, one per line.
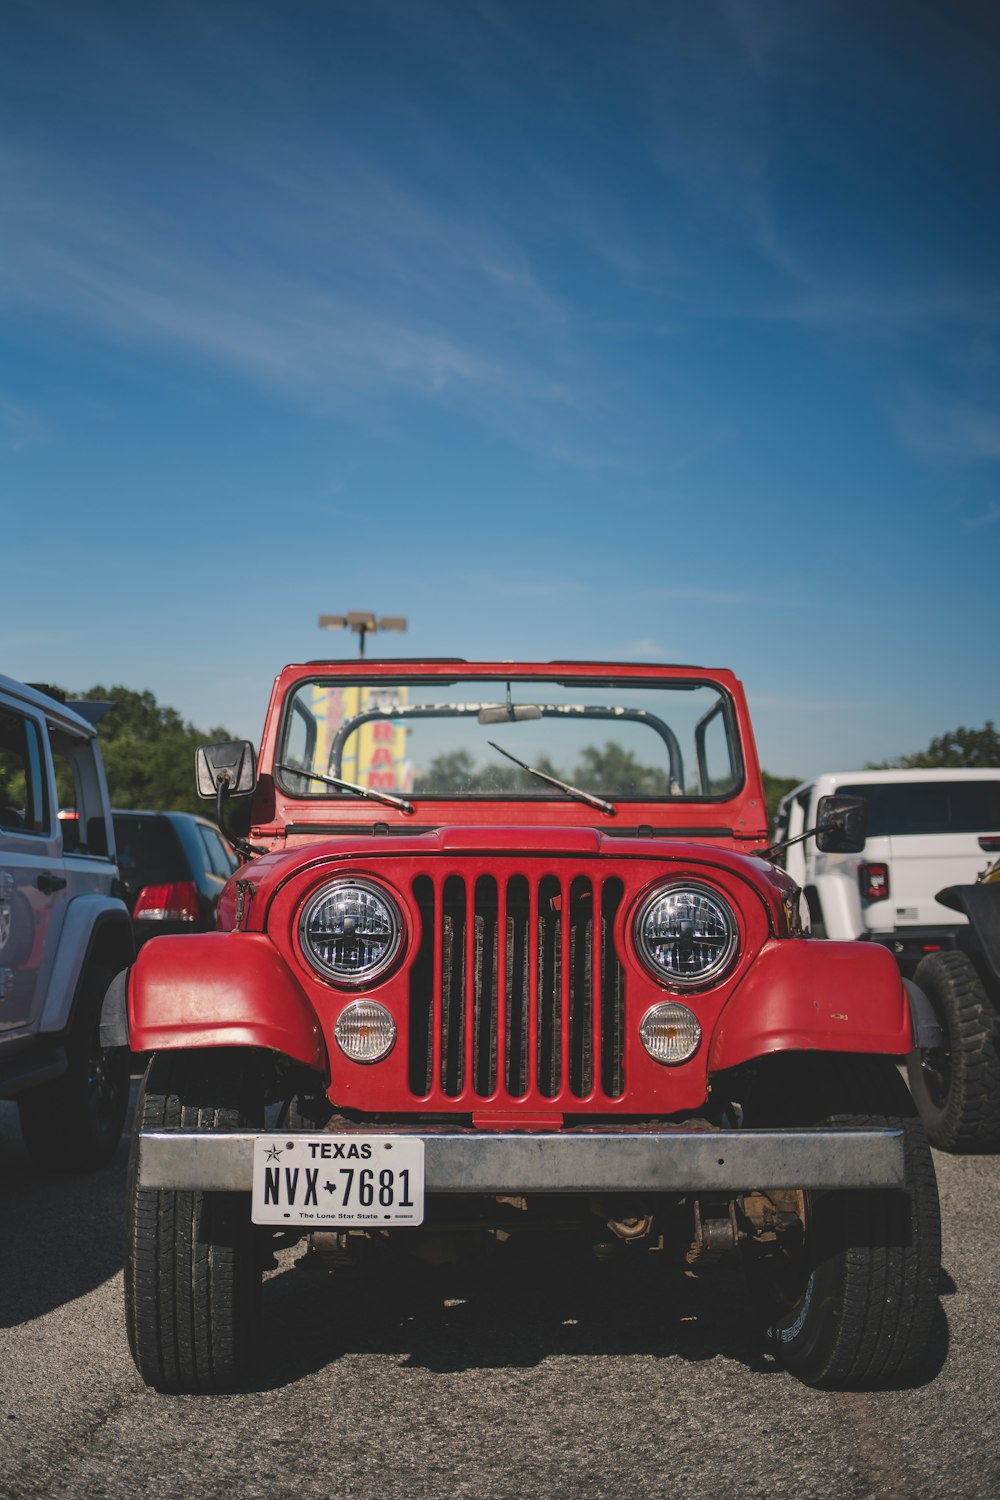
<point x="512" y="1375"/>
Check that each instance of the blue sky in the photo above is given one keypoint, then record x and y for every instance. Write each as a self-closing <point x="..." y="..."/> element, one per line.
<point x="650" y="331"/>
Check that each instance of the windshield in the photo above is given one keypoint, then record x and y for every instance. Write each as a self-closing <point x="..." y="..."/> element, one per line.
<point x="641" y="740"/>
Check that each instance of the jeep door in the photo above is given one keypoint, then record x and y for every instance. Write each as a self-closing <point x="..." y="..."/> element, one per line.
<point x="31" y="887"/>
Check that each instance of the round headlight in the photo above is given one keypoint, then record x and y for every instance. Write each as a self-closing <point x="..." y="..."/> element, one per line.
<point x="351" y="931"/>
<point x="686" y="935"/>
<point x="670" y="1033"/>
<point x="365" y="1031"/>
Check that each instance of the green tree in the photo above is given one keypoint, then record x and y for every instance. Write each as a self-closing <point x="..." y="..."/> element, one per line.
<point x="452" y="772"/>
<point x="615" y="769"/>
<point x="455" y="771"/>
<point x="148" y="751"/>
<point x="977" y="749"/>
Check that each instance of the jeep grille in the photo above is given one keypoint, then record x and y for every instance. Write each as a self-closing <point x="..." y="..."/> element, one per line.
<point x="516" y="991"/>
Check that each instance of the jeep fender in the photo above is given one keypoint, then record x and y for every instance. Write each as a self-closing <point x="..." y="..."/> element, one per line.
<point x="220" y="989"/>
<point x="981" y="904"/>
<point x="814" y="995"/>
<point x="95" y="927"/>
<point x="927" y="1029"/>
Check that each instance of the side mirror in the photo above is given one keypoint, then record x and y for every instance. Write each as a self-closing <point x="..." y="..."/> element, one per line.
<point x="841" y="825"/>
<point x="232" y="765"/>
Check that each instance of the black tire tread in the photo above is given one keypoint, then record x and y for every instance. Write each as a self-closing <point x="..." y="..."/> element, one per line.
<point x="885" y="1270"/>
<point x="970" y="1118"/>
<point x="56" y="1119"/>
<point x="192" y="1278"/>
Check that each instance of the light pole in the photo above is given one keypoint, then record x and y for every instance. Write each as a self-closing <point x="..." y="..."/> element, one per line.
<point x="363" y="623"/>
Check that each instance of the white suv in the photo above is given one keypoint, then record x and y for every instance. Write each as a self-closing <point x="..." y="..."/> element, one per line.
<point x="65" y="933"/>
<point x="925" y="830"/>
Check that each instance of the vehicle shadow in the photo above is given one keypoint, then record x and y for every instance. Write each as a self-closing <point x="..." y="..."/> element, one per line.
<point x="61" y="1234"/>
<point x="514" y="1307"/>
<point x="498" y="1306"/>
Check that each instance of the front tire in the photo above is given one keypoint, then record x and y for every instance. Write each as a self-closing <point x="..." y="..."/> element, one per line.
<point x="849" y="1304"/>
<point x="74" y="1123"/>
<point x="192" y="1261"/>
<point x="957" y="1086"/>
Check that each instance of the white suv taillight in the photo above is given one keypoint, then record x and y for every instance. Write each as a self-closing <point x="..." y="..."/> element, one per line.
<point x="873" y="880"/>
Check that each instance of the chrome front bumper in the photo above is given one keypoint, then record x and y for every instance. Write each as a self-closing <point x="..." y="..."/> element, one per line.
<point x="600" y="1161"/>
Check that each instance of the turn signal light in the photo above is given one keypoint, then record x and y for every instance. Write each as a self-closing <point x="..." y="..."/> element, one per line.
<point x="176" y="901"/>
<point x="874" y="881"/>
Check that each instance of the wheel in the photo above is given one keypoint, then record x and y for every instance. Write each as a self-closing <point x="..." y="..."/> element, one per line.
<point x="849" y="1299"/>
<point x="957" y="1086"/>
<point x="192" y="1261"/>
<point x="75" y="1122"/>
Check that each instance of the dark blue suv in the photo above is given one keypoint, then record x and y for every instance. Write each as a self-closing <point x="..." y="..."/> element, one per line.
<point x="173" y="866"/>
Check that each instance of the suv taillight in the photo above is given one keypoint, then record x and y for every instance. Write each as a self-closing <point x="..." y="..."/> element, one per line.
<point x="174" y="902"/>
<point x="874" y="881"/>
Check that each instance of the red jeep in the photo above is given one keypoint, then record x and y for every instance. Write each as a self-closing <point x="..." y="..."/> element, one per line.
<point x="508" y="951"/>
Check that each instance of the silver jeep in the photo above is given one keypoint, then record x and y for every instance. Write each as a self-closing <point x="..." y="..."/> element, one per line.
<point x="64" y="931"/>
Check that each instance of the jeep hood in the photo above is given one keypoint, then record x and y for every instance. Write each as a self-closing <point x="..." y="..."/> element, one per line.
<point x="379" y="852"/>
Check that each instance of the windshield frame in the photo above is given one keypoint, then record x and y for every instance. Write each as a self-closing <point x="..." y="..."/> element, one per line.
<point x="656" y="679"/>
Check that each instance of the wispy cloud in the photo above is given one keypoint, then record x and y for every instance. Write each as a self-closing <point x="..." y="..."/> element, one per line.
<point x="988" y="518"/>
<point x="770" y="35"/>
<point x="719" y="111"/>
<point x="545" y="587"/>
<point x="646" y="648"/>
<point x="286" y="305"/>
<point x="938" y="423"/>
<point x="873" y="307"/>
<point x="19" y="427"/>
<point x="725" y="598"/>
<point x="805" y="705"/>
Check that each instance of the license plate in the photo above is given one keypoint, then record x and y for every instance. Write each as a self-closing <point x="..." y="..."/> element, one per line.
<point x="372" y="1181"/>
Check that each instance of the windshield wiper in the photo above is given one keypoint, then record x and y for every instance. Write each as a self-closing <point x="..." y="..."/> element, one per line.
<point x="350" y="786"/>
<point x="564" y="786"/>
